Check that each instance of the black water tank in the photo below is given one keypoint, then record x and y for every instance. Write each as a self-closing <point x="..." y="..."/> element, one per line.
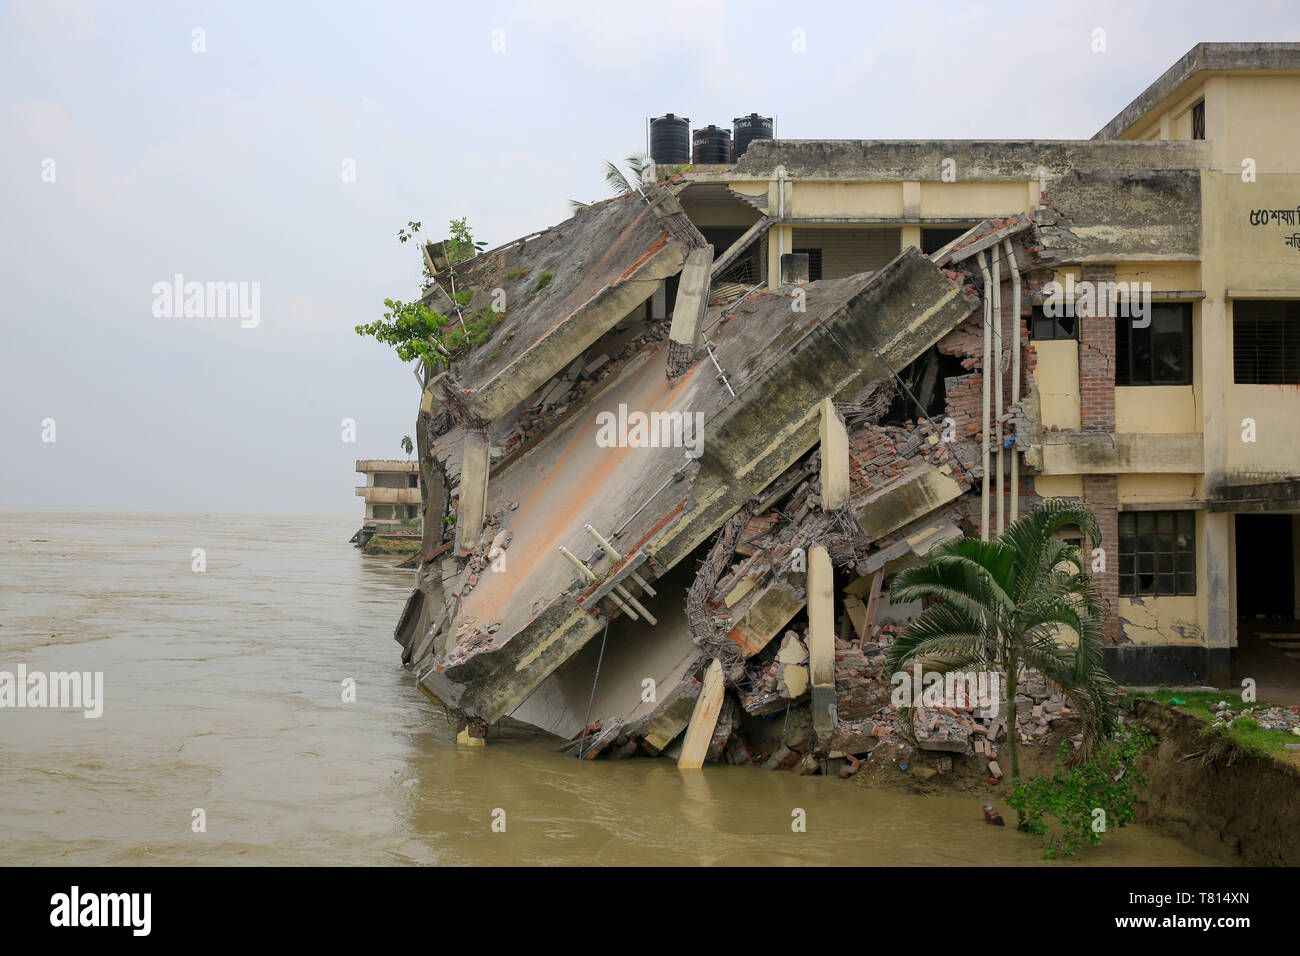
<point x="670" y="140"/>
<point x="711" y="146"/>
<point x="749" y="128"/>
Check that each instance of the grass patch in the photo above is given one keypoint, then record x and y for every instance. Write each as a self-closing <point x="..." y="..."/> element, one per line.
<point x="478" y="329"/>
<point x="463" y="296"/>
<point x="543" y="281"/>
<point x="518" y="273"/>
<point x="381" y="545"/>
<point x="1244" y="730"/>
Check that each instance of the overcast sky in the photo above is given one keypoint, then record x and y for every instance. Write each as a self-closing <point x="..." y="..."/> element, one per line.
<point x="126" y="158"/>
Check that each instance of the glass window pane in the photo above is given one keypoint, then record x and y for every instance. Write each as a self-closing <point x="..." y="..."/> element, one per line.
<point x="1165" y="584"/>
<point x="1146" y="542"/>
<point x="1186" y="584"/>
<point x="1165" y="563"/>
<point x="1140" y="357"/>
<point x="1126" y="563"/>
<point x="1165" y="521"/>
<point x="1146" y="563"/>
<point x="1146" y="521"/>
<point x="1185" y="520"/>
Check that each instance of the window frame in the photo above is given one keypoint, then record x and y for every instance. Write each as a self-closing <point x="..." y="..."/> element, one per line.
<point x="1180" y="577"/>
<point x="1038" y="313"/>
<point x="1124" y="327"/>
<point x="1290" y="374"/>
<point x="814" y="262"/>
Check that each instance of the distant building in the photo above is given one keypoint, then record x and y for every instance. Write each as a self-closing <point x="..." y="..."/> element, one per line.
<point x="391" y="491"/>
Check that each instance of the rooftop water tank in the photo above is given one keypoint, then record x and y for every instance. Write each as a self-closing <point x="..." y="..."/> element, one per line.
<point x="747" y="129"/>
<point x="711" y="146"/>
<point x="670" y="140"/>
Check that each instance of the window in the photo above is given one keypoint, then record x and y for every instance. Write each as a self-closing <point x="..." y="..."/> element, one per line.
<point x="1044" y="328"/>
<point x="413" y="481"/>
<point x="1198" y="120"/>
<point x="814" y="263"/>
<point x="932" y="240"/>
<point x="1161" y="353"/>
<point x="1157" y="553"/>
<point x="1266" y="343"/>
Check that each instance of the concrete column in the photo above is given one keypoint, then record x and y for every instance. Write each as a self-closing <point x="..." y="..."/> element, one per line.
<point x="835" y="457"/>
<point x="474" y="465"/>
<point x="1220" y="626"/>
<point x="692" y="299"/>
<point x="704" y="719"/>
<point x="821" y="638"/>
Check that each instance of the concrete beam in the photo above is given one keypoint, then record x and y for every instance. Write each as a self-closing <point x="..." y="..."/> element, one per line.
<point x="692" y="299"/>
<point x="911" y="497"/>
<point x="703" y="719"/>
<point x="474" y="466"/>
<point x="821" y="638"/>
<point x="835" y="457"/>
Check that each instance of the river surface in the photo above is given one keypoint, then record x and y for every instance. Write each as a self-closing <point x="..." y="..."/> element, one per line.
<point x="223" y="692"/>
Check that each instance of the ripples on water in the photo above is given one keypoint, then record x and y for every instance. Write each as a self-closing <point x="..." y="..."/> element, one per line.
<point x="223" y="691"/>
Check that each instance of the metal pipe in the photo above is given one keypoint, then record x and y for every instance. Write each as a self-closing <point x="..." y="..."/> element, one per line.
<point x="1015" y="370"/>
<point x="984" y="411"/>
<point x="996" y="255"/>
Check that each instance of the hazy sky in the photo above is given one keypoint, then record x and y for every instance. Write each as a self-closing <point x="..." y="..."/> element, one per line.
<point x="228" y="165"/>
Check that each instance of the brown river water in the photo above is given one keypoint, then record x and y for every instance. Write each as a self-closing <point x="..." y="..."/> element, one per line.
<point x="223" y="691"/>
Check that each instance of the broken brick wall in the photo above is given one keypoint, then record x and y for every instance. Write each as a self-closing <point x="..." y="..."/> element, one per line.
<point x="1101" y="494"/>
<point x="1097" y="358"/>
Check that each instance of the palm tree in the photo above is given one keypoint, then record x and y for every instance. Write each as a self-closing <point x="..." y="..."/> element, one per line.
<point x="1007" y="603"/>
<point x="619" y="181"/>
<point x="407" y="445"/>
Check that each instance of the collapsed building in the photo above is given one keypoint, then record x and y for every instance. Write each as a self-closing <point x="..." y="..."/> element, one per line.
<point x="698" y="427"/>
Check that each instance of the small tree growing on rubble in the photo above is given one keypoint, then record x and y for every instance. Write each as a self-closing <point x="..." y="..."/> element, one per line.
<point x="1006" y="603"/>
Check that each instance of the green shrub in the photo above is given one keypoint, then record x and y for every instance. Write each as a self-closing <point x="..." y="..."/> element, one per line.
<point x="1087" y="799"/>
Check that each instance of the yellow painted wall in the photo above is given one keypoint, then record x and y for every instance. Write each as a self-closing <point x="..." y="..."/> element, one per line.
<point x="830" y="200"/>
<point x="1163" y="276"/>
<point x="1058" y="486"/>
<point x="1257" y="257"/>
<point x="1133" y="489"/>
<point x="1156" y="409"/>
<point x="1057" y="377"/>
<point x="1260" y="122"/>
<point x="1162" y="620"/>
<point x="973" y="200"/>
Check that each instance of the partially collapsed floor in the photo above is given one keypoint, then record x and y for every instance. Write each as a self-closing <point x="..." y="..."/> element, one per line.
<point x="660" y="515"/>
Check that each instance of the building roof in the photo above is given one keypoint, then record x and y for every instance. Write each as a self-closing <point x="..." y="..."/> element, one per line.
<point x="1204" y="57"/>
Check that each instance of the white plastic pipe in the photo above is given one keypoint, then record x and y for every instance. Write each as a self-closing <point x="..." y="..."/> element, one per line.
<point x="997" y="379"/>
<point x="1015" y="369"/>
<point x="984" y="411"/>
